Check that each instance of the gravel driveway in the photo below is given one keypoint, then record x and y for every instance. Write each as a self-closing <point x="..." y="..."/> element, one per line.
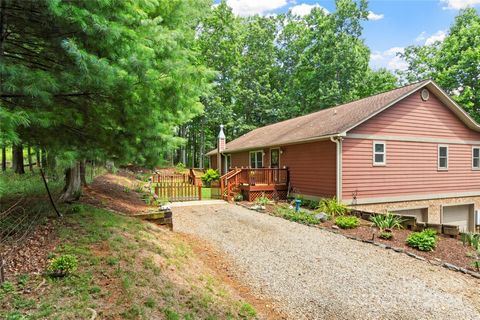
<point x="314" y="274"/>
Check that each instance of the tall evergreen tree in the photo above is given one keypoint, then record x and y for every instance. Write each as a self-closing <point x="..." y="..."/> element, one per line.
<point x="106" y="79"/>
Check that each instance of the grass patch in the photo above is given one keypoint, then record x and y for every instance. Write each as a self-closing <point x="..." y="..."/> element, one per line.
<point x="206" y="193"/>
<point x="122" y="262"/>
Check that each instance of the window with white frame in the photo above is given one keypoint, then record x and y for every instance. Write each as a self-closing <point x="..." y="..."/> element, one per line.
<point x="476" y="157"/>
<point x="256" y="159"/>
<point x="442" y="157"/>
<point x="379" y="153"/>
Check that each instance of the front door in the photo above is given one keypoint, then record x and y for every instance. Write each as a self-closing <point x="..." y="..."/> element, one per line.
<point x="275" y="163"/>
<point x="274" y="158"/>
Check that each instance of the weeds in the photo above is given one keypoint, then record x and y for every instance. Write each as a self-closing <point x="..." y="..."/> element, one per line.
<point x="303" y="217"/>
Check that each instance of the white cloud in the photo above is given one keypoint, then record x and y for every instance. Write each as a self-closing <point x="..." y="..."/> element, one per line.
<point x="438" y="36"/>
<point x="304" y="9"/>
<point x="459" y="4"/>
<point x="421" y="37"/>
<point x="252" y="7"/>
<point x="388" y="59"/>
<point x="374" y="17"/>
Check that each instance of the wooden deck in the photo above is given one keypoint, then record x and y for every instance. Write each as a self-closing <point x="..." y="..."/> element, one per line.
<point x="254" y="183"/>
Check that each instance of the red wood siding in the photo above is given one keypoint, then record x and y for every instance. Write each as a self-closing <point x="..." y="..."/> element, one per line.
<point x="411" y="167"/>
<point x="417" y="118"/>
<point x="311" y="167"/>
<point x="213" y="162"/>
<point x="240" y="159"/>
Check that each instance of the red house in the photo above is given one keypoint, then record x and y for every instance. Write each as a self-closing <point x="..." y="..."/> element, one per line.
<point x="412" y="151"/>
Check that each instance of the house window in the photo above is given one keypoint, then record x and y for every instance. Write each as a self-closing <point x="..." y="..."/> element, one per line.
<point x="256" y="159"/>
<point x="442" y="157"/>
<point x="476" y="157"/>
<point x="379" y="153"/>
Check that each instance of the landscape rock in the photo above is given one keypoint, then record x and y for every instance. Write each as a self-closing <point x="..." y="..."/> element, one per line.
<point x="322" y="216"/>
<point x="450" y="266"/>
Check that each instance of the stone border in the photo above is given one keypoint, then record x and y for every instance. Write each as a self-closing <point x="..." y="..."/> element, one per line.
<point x="435" y="261"/>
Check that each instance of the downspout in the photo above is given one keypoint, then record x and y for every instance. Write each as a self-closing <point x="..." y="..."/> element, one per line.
<point x="338" y="141"/>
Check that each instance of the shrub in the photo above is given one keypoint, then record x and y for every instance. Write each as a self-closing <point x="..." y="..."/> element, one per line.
<point x="332" y="207"/>
<point x="239" y="197"/>
<point x="63" y="265"/>
<point x="210" y="175"/>
<point x="425" y="240"/>
<point x="386" y="221"/>
<point x="263" y="201"/>
<point x="180" y="168"/>
<point x="471" y="239"/>
<point x="303" y="217"/>
<point x="347" y="222"/>
<point x="385" y="235"/>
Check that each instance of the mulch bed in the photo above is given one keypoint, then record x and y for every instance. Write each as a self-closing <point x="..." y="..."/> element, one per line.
<point x="448" y="249"/>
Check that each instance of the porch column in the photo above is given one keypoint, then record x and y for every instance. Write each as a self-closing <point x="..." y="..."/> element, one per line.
<point x="220" y="149"/>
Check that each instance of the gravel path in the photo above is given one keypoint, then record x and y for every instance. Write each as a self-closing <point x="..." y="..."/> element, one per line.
<point x="314" y="274"/>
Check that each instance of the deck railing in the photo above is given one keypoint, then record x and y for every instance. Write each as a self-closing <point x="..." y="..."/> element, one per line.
<point x="245" y="176"/>
<point x="263" y="176"/>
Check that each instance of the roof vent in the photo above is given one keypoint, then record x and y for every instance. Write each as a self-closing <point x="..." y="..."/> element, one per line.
<point x="425" y="94"/>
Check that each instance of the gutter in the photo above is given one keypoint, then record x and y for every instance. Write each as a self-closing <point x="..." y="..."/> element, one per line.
<point x="338" y="141"/>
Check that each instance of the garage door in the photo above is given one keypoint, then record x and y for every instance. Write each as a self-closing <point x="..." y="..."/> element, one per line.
<point x="458" y="216"/>
<point x="420" y="214"/>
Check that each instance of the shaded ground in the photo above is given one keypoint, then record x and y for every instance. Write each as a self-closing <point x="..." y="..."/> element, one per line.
<point x="313" y="274"/>
<point x="116" y="192"/>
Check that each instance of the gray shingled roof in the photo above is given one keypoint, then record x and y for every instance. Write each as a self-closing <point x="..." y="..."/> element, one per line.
<point x="323" y="123"/>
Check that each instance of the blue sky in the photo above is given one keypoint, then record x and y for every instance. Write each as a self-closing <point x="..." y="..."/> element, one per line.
<point x="393" y="24"/>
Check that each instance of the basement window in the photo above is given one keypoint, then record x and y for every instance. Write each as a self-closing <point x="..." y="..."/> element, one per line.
<point x="256" y="159"/>
<point x="442" y="157"/>
<point x="476" y="158"/>
<point x="379" y="153"/>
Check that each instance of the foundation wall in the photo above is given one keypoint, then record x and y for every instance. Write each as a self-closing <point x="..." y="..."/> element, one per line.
<point x="434" y="206"/>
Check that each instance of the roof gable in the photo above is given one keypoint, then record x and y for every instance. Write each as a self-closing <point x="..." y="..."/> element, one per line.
<point x="337" y="120"/>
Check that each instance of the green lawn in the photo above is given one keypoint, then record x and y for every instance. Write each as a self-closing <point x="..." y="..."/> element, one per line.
<point x="127" y="269"/>
<point x="206" y="193"/>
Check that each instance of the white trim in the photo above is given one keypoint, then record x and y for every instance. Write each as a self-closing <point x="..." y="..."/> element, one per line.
<point x="338" y="167"/>
<point x="413" y="198"/>
<point x="384" y="153"/>
<point x="473" y="157"/>
<point x="438" y="157"/>
<point x="301" y="141"/>
<point x="256" y="159"/>
<point x="410" y="139"/>
<point x="408" y="208"/>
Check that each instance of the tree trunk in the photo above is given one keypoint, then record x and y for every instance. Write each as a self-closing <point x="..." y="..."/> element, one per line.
<point x="83" y="171"/>
<point x="43" y="158"/>
<point x="17" y="159"/>
<point x="30" y="161"/>
<point x="202" y="145"/>
<point x="37" y="156"/>
<point x="4" y="158"/>
<point x="73" y="185"/>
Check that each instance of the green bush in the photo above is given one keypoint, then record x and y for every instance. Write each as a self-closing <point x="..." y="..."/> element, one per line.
<point x="263" y="201"/>
<point x="63" y="265"/>
<point x="180" y="168"/>
<point x="210" y="175"/>
<point x="333" y="207"/>
<point x="385" y="235"/>
<point x="425" y="240"/>
<point x="303" y="217"/>
<point x="347" y="222"/>
<point x="386" y="221"/>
